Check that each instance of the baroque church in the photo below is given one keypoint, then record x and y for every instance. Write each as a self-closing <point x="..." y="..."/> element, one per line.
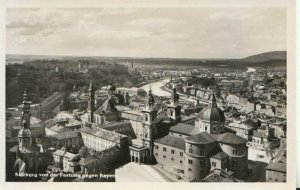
<point x="188" y="151"/>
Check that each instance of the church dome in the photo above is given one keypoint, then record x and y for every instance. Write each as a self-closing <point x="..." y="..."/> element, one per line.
<point x="212" y="112"/>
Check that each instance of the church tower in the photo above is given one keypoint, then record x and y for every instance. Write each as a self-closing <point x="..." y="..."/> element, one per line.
<point x="91" y="103"/>
<point x="25" y="115"/>
<point x="149" y="124"/>
<point x="174" y="109"/>
<point x="149" y="112"/>
<point x="24" y="135"/>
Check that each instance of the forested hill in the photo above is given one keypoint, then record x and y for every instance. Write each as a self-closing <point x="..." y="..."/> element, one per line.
<point x="264" y="57"/>
<point x="43" y="77"/>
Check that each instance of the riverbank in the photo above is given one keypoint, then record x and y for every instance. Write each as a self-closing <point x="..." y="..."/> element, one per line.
<point x="145" y="83"/>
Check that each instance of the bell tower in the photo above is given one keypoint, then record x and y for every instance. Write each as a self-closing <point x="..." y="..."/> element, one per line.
<point x="25" y="115"/>
<point x="91" y="103"/>
<point x="149" y="112"/>
<point x="24" y="135"/>
<point x="174" y="109"/>
<point x="149" y="115"/>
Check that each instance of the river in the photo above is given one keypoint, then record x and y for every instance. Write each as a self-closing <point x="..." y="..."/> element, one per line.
<point x="156" y="87"/>
<point x="250" y="69"/>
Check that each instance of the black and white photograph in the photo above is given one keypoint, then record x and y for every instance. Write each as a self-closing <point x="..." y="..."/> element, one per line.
<point x="146" y="94"/>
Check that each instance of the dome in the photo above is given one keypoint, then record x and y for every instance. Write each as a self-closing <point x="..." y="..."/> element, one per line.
<point x="212" y="112"/>
<point x="24" y="133"/>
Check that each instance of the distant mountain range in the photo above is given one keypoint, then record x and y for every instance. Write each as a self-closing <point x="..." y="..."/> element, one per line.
<point x="264" y="57"/>
<point x="268" y="59"/>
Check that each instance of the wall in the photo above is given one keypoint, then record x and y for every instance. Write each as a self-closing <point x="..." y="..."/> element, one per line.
<point x="274" y="176"/>
<point x="159" y="154"/>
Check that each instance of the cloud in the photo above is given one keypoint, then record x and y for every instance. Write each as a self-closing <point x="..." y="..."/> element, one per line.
<point x="152" y="22"/>
<point x="161" y="32"/>
<point x="234" y="15"/>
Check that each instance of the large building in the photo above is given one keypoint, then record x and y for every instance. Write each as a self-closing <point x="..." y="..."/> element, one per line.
<point x="188" y="151"/>
<point x="107" y="111"/>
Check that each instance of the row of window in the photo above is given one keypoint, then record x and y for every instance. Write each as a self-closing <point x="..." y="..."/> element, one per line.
<point x="202" y="163"/>
<point x="202" y="152"/>
<point x="164" y="156"/>
<point x="214" y="128"/>
<point x="165" y="150"/>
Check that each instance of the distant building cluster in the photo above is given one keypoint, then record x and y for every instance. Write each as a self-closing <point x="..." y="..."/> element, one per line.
<point x="231" y="131"/>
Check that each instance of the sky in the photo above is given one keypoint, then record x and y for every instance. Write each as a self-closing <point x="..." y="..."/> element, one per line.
<point x="201" y="32"/>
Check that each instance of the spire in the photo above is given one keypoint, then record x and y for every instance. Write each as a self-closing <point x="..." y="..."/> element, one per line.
<point x="91" y="87"/>
<point x="175" y="96"/>
<point x="25" y="96"/>
<point x="25" y="114"/>
<point x="25" y="103"/>
<point x="150" y="98"/>
<point x="213" y="101"/>
<point x="91" y="103"/>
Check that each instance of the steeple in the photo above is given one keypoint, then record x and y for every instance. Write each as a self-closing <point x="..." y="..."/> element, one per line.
<point x="149" y="111"/>
<point x="151" y="100"/>
<point x="175" y="96"/>
<point x="91" y="103"/>
<point x="24" y="135"/>
<point x="25" y="115"/>
<point x="91" y="87"/>
<point x="174" y="109"/>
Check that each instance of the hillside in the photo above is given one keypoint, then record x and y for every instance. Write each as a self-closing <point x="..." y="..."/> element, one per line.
<point x="264" y="57"/>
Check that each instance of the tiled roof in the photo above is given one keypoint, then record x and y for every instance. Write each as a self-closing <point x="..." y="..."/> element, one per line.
<point x="59" y="128"/>
<point x="66" y="135"/>
<point x="201" y="138"/>
<point x="229" y="138"/>
<point x="185" y="129"/>
<point x="102" y="133"/>
<point x="220" y="155"/>
<point x="124" y="128"/>
<point x="107" y="107"/>
<point x="49" y="123"/>
<point x="280" y="167"/>
<point x="258" y="134"/>
<point x="172" y="141"/>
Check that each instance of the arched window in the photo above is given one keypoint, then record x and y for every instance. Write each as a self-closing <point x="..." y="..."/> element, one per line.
<point x="189" y="169"/>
